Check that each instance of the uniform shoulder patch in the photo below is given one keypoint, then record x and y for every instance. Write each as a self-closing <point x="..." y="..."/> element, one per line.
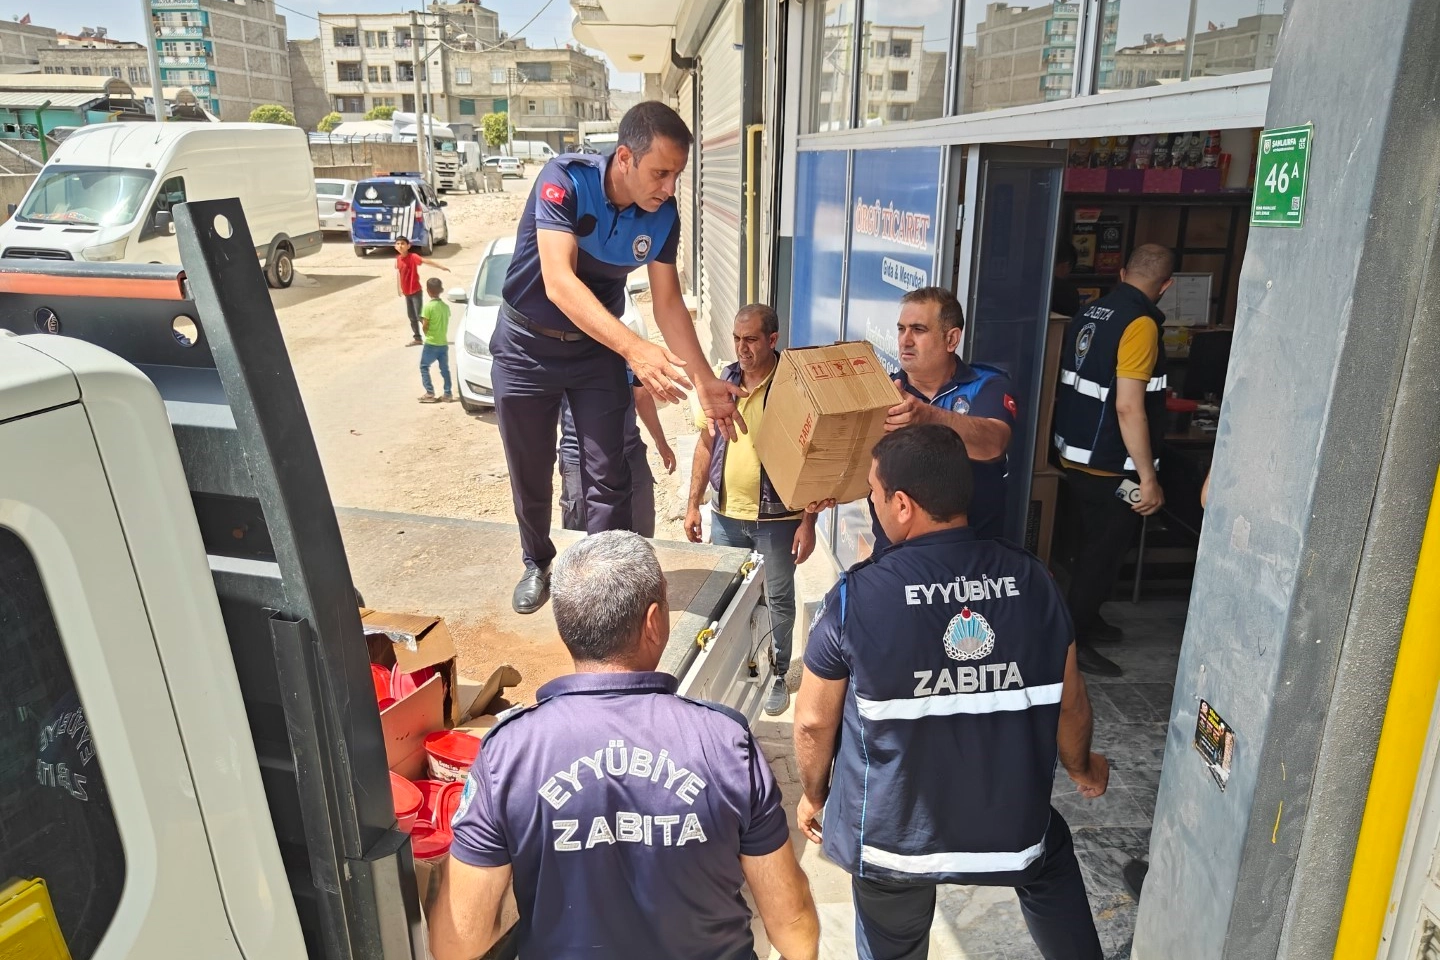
<point x="553" y="193"/>
<point x="1011" y="405"/>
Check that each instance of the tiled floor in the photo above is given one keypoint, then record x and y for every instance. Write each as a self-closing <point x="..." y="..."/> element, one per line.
<point x="984" y="923"/>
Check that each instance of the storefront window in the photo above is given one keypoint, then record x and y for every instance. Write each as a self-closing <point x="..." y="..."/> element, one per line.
<point x="1230" y="37"/>
<point x="1145" y="44"/>
<point x="832" y="79"/>
<point x="904" y="60"/>
<point x="1014" y="55"/>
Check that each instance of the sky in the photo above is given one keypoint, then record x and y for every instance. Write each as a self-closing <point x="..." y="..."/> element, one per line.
<point x="125" y="19"/>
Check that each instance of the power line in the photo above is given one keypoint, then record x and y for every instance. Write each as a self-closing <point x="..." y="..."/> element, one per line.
<point x="298" y="13"/>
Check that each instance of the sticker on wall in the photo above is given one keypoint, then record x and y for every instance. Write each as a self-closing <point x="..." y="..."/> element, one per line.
<point x="1215" y="742"/>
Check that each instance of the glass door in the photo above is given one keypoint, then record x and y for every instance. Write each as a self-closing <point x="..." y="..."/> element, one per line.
<point x="1017" y="209"/>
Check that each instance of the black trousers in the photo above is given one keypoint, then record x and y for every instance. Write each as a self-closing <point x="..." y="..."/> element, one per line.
<point x="1098" y="528"/>
<point x="642" y="493"/>
<point x="530" y="373"/>
<point x="892" y="920"/>
<point x="414" y="302"/>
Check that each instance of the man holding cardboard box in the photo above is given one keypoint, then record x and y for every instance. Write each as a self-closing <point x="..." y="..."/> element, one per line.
<point x="745" y="510"/>
<point x="938" y="387"/>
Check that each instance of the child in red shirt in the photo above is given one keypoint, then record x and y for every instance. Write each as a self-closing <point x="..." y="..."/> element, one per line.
<point x="407" y="266"/>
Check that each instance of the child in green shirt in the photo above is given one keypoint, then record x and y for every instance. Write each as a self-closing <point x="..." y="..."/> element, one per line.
<point x="435" y="322"/>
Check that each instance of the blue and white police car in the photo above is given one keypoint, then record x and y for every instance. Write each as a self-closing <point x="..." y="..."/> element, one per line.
<point x="393" y="206"/>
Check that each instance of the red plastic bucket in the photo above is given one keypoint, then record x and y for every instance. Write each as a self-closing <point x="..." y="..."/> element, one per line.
<point x="408" y="800"/>
<point x="441" y="798"/>
<point x="451" y="754"/>
<point x="380" y="679"/>
<point x="430" y="843"/>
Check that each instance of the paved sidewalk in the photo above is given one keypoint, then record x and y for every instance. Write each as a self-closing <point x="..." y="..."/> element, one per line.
<point x="984" y="923"/>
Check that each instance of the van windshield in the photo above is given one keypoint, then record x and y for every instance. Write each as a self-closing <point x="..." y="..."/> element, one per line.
<point x="91" y="195"/>
<point x="384" y="194"/>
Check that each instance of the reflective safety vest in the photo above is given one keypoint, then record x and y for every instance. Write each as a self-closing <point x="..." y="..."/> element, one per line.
<point x="957" y="649"/>
<point x="1087" y="429"/>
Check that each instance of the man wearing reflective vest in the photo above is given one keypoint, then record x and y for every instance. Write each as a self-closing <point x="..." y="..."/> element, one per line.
<point x="1109" y="423"/>
<point x="947" y="662"/>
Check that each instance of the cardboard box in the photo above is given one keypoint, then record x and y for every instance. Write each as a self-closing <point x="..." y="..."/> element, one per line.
<point x="1049" y="380"/>
<point x="413" y="642"/>
<point x="825" y="414"/>
<point x="1040" y="520"/>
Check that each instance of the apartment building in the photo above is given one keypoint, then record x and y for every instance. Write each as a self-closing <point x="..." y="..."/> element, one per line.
<point x="20" y="43"/>
<point x="92" y="53"/>
<point x="900" y="81"/>
<point x="231" y="53"/>
<point x="1248" y="45"/>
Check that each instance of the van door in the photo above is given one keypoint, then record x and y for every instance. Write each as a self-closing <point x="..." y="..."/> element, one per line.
<point x="96" y="797"/>
<point x="156" y="242"/>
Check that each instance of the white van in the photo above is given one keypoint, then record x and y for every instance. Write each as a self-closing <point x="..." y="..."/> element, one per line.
<point x="107" y="193"/>
<point x="531" y="151"/>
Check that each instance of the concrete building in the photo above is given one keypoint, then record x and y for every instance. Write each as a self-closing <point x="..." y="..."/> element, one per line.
<point x="1023" y="55"/>
<point x="900" y="82"/>
<point x="368" y="60"/>
<point x="231" y="53"/>
<point x="1249" y="45"/>
<point x="84" y="56"/>
<point x="20" y="43"/>
<point x="1146" y="64"/>
<point x="307" y="82"/>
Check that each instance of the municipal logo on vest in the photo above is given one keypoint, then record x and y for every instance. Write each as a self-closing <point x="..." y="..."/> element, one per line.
<point x="969" y="636"/>
<point x="962" y="406"/>
<point x="641" y="247"/>
<point x="1082" y="343"/>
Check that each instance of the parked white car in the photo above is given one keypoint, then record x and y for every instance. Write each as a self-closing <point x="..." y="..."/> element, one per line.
<point x="333" y="199"/>
<point x="508" y="166"/>
<point x="476" y="312"/>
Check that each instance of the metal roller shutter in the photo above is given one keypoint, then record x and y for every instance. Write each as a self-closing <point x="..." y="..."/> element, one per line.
<point x="721" y="197"/>
<point x="685" y="196"/>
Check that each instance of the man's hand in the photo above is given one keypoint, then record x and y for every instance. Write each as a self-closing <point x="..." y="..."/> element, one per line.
<point x="819" y="506"/>
<point x="1093" y="780"/>
<point x="908" y="412"/>
<point x="693" y="527"/>
<point x="807" y="818"/>
<point x="804" y="544"/>
<point x="659" y="370"/>
<point x="1152" y="498"/>
<point x="717" y="398"/>
<point x="667" y="455"/>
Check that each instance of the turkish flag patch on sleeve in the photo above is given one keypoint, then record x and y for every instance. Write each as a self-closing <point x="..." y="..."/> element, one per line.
<point x="1011" y="406"/>
<point x="553" y="193"/>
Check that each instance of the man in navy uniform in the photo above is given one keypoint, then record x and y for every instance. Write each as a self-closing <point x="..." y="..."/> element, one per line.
<point x="976" y="401"/>
<point x="590" y="221"/>
<point x="627" y="817"/>
<point x="949" y="663"/>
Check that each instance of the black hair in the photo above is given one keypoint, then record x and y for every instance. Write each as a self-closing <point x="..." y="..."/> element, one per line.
<point x="434" y="286"/>
<point x="951" y="315"/>
<point x="769" y="322"/>
<point x="646" y="121"/>
<point x="929" y="462"/>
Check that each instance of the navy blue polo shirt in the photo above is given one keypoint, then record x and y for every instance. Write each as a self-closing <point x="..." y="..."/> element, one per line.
<point x="954" y="650"/>
<point x="569" y="196"/>
<point x="992" y="398"/>
<point x="623" y="810"/>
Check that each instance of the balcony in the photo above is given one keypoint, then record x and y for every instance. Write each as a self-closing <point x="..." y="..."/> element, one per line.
<point x="199" y="61"/>
<point x="190" y="30"/>
<point x="174" y="4"/>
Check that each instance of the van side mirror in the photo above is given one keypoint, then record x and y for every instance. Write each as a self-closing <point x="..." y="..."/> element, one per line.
<point x="444" y="203"/>
<point x="10" y="209"/>
<point x="164" y="222"/>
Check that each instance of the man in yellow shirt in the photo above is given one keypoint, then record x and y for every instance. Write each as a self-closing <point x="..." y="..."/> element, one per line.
<point x="1109" y="423"/>
<point x="745" y="510"/>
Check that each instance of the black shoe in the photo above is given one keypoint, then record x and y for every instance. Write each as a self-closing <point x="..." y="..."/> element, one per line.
<point x="532" y="591"/>
<point x="1102" y="631"/>
<point x="1133" y="873"/>
<point x="778" y="699"/>
<point x="1092" y="662"/>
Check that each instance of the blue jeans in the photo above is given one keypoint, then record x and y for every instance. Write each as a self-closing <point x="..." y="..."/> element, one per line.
<point x="773" y="540"/>
<point x="435" y="353"/>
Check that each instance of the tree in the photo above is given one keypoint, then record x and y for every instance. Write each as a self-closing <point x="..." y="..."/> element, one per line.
<point x="496" y="128"/>
<point x="272" y="113"/>
<point x="329" y="122"/>
<point x="380" y="113"/>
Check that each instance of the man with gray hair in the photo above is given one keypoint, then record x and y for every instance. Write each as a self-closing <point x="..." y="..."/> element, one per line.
<point x="627" y="817"/>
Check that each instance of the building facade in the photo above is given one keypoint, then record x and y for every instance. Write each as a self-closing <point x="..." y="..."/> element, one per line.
<point x="231" y="53"/>
<point x="1157" y="60"/>
<point x="1249" y="45"/>
<point x="307" y="82"/>
<point x="20" y="43"/>
<point x="125" y="61"/>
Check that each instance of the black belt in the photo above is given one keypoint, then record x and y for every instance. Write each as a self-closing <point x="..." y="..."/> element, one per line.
<point x="520" y="320"/>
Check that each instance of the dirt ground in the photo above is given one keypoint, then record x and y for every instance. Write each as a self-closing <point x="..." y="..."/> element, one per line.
<point x="346" y="328"/>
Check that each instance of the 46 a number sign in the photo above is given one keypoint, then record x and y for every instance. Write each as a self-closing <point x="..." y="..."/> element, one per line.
<point x="1282" y="170"/>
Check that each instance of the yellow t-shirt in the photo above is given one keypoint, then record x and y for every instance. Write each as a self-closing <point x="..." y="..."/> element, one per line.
<point x="1139" y="349"/>
<point x="740" y="497"/>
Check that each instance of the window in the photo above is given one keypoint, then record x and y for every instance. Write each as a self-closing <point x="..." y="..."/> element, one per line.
<point x="534" y="72"/>
<point x="462" y="75"/>
<point x="382" y="101"/>
<point x="402" y="36"/>
<point x="348" y="72"/>
<point x="346" y="38"/>
<point x="879" y="50"/>
<point x="532" y="106"/>
<point x="899" y="111"/>
<point x="900" y="48"/>
<point x="377" y="39"/>
<point x="497" y="75"/>
<point x="829" y="52"/>
<point x="899" y="80"/>
<point x="378" y="74"/>
<point x="59" y="825"/>
<point x="552" y="108"/>
<point x="407" y="103"/>
<point x="467" y="107"/>
<point x="349" y="104"/>
<point x="139" y="75"/>
<point x="405" y="72"/>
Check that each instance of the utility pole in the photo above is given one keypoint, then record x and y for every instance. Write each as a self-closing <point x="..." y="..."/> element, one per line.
<point x="157" y="89"/>
<point x="418" y="44"/>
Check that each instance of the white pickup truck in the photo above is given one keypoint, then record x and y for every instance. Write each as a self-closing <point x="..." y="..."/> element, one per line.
<point x="191" y="759"/>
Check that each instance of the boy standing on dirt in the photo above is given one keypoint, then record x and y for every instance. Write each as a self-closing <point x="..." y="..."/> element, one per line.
<point x="435" y="319"/>
<point x="407" y="267"/>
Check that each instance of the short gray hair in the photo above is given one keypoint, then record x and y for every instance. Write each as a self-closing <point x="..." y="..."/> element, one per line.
<point x="600" y="590"/>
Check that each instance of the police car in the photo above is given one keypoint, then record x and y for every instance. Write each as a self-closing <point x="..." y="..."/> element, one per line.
<point x="474" y="322"/>
<point x="393" y="206"/>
